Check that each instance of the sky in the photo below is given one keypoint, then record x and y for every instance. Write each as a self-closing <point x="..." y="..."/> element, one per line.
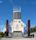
<point x="28" y="10"/>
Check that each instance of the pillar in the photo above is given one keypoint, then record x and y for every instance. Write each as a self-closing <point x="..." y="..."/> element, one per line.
<point x="6" y="27"/>
<point x="29" y="27"/>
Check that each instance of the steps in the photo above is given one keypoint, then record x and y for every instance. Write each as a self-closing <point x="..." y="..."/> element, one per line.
<point x="17" y="34"/>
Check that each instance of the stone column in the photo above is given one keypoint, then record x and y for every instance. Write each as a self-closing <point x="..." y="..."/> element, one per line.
<point x="28" y="27"/>
<point x="6" y="27"/>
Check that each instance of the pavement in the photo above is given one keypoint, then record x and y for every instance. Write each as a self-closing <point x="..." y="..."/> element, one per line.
<point x="20" y="38"/>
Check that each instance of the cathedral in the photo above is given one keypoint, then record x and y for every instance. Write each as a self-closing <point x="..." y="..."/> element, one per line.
<point x="17" y="25"/>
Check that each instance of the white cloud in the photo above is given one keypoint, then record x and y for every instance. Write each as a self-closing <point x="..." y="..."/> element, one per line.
<point x="2" y="28"/>
<point x="1" y="1"/>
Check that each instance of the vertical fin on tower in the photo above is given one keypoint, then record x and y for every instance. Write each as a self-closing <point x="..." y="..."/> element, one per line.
<point x="6" y="27"/>
<point x="28" y="27"/>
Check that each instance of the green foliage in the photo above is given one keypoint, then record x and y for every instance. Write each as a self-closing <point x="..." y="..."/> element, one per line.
<point x="1" y="34"/>
<point x="33" y="29"/>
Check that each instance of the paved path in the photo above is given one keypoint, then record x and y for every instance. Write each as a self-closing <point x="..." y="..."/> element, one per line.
<point x="18" y="39"/>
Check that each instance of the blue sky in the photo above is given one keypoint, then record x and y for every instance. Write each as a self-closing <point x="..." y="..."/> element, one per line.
<point x="28" y="10"/>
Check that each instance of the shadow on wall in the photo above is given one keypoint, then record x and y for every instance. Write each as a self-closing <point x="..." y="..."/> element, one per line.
<point x="10" y="29"/>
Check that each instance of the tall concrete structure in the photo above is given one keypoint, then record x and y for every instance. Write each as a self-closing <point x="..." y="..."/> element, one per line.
<point x="29" y="34"/>
<point x="7" y="28"/>
<point x="28" y="27"/>
<point x="17" y="24"/>
<point x="17" y="19"/>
